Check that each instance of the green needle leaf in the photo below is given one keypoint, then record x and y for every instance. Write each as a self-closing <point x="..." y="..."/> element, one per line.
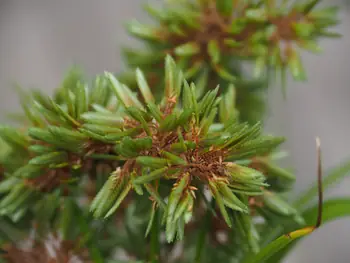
<point x="174" y="199"/>
<point x="81" y="100"/>
<point x="214" y="51"/>
<point x="277" y="204"/>
<point x="50" y="158"/>
<point x="220" y="202"/>
<point x="151" y="220"/>
<point x="154" y="175"/>
<point x="140" y="30"/>
<point x="152" y="162"/>
<point x="143" y="85"/>
<point x="187" y="49"/>
<point x="120" y="199"/>
<point x="296" y="66"/>
<point x="122" y="92"/>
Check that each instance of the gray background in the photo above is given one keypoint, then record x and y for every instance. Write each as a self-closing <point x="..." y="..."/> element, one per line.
<point x="41" y="39"/>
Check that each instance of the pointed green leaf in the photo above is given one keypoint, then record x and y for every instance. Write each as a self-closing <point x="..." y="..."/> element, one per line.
<point x="122" y="92"/>
<point x="193" y="70"/>
<point x="295" y="66"/>
<point x="310" y="45"/>
<point x="245" y="175"/>
<point x="260" y="66"/>
<point x="156" y="196"/>
<point x="63" y="114"/>
<point x="106" y="196"/>
<point x="187" y="49"/>
<point x="13" y="137"/>
<point x="277" y="204"/>
<point x="247" y="230"/>
<point x="174" y="198"/>
<point x="258" y="14"/>
<point x="304" y="30"/>
<point x="156" y="13"/>
<point x="67" y="134"/>
<point x="81" y="99"/>
<point x="309" y="6"/>
<point x="174" y="159"/>
<point x="140" y="30"/>
<point x="119" y="200"/>
<point x="225" y="74"/>
<point x="170" y="75"/>
<point x="41" y="135"/>
<point x="182" y="207"/>
<point x="207" y="102"/>
<point x="151" y="220"/>
<point x="100" y="93"/>
<point x="232" y="198"/>
<point x="143" y="85"/>
<point x="106" y="119"/>
<point x="227" y="106"/>
<point x="184" y="117"/>
<point x="50" y="158"/>
<point x="138" y="189"/>
<point x="214" y="51"/>
<point x="154" y="175"/>
<point x="101" y="129"/>
<point x="152" y="162"/>
<point x="232" y="43"/>
<point x="208" y="121"/>
<point x="275" y="171"/>
<point x="42" y="100"/>
<point x="138" y="115"/>
<point x="220" y="202"/>
<point x="169" y="123"/>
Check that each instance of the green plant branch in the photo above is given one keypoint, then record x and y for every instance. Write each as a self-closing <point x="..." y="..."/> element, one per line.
<point x="184" y="125"/>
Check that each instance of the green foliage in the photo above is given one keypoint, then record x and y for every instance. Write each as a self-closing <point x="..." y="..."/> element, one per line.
<point x="175" y="143"/>
<point x="208" y="38"/>
<point x="171" y="154"/>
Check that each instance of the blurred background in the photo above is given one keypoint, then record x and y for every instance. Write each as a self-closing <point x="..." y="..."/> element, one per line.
<point x="41" y="39"/>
